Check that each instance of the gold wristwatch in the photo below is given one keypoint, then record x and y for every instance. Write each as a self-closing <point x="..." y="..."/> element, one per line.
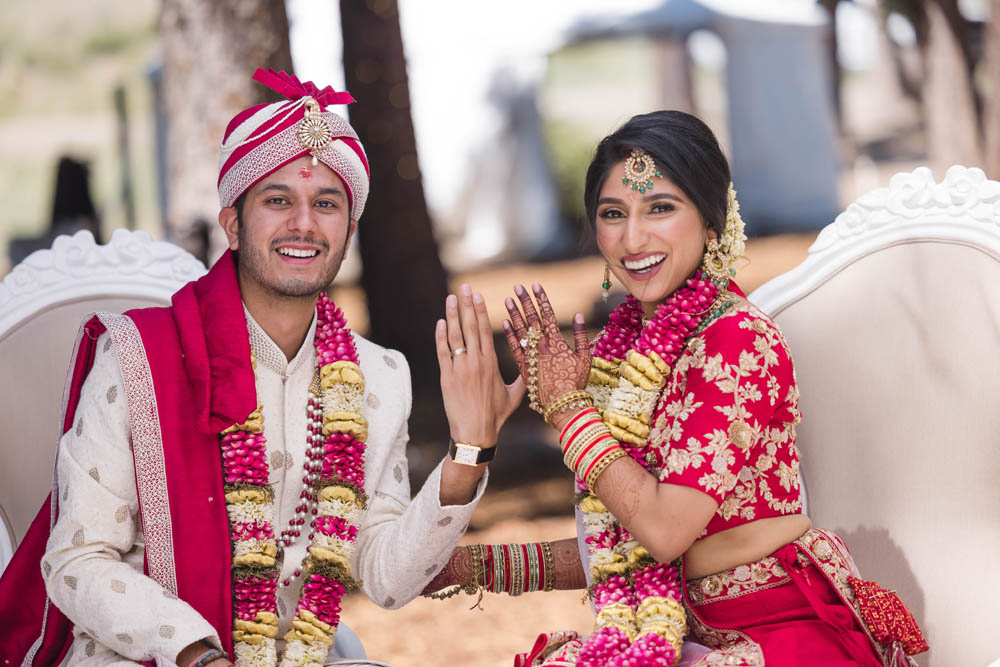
<point x="470" y="455"/>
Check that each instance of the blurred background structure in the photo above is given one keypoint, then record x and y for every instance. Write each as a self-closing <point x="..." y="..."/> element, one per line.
<point x="479" y="120"/>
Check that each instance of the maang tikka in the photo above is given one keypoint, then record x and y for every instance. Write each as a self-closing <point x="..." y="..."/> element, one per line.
<point x="640" y="169"/>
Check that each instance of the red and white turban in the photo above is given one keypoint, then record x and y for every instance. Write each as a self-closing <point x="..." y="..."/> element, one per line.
<point x="263" y="138"/>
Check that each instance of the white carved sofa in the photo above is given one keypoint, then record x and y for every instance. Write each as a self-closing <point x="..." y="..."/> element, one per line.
<point x="43" y="301"/>
<point x="894" y="324"/>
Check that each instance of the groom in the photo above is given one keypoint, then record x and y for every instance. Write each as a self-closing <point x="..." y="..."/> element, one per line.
<point x="164" y="551"/>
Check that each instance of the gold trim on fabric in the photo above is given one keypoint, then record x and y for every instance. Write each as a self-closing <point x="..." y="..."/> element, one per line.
<point x="829" y="553"/>
<point x="818" y="547"/>
<point x="731" y="647"/>
<point x="742" y="580"/>
<point x="147" y="449"/>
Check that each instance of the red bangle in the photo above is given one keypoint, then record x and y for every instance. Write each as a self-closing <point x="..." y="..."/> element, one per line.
<point x="508" y="576"/>
<point x="597" y="441"/>
<point x="527" y="567"/>
<point x="541" y="565"/>
<point x="598" y="458"/>
<point x="576" y="418"/>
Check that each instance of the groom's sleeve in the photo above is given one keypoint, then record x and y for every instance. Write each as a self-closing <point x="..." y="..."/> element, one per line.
<point x="93" y="561"/>
<point x="403" y="543"/>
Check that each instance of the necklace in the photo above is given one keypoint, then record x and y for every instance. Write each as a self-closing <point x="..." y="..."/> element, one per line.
<point x="640" y="620"/>
<point x="332" y="503"/>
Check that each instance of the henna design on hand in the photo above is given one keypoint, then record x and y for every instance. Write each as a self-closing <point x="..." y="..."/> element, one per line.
<point x="569" y="574"/>
<point x="456" y="572"/>
<point x="561" y="369"/>
<point x="530" y="314"/>
<point x="620" y="487"/>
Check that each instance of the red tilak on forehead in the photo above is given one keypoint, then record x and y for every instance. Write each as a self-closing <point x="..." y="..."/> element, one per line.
<point x="305" y="173"/>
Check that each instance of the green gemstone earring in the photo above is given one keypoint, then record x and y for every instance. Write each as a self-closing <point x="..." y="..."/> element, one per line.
<point x="606" y="285"/>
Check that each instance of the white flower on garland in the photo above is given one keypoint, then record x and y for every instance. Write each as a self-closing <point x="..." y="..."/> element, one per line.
<point x="349" y="512"/>
<point x="334" y="543"/>
<point x="601" y="394"/>
<point x="632" y="401"/>
<point x="249" y="511"/>
<point x="264" y="654"/>
<point x="342" y="397"/>
<point x="301" y="654"/>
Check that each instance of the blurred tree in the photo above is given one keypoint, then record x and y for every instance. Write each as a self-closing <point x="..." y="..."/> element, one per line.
<point x="210" y="51"/>
<point x="836" y="78"/>
<point x="401" y="274"/>
<point x="949" y="95"/>
<point x="952" y="103"/>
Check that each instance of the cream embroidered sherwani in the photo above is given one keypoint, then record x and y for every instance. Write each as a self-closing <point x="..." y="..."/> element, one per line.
<point x="94" y="560"/>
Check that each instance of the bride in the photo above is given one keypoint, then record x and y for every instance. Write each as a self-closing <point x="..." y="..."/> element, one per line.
<point x="678" y="421"/>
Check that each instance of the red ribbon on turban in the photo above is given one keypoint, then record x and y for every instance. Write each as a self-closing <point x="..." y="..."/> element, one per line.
<point x="289" y="85"/>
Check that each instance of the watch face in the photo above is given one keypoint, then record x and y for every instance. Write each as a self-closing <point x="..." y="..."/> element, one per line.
<point x="466" y="454"/>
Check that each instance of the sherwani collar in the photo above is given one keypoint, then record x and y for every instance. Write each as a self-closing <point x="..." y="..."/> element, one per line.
<point x="269" y="355"/>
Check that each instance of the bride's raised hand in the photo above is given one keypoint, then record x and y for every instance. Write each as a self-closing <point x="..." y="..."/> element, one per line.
<point x="559" y="368"/>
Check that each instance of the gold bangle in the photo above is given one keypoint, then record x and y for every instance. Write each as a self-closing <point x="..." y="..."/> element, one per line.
<point x="471" y="587"/>
<point x="572" y="407"/>
<point x="532" y="580"/>
<point x="549" y="563"/>
<point x="581" y="442"/>
<point x="476" y="556"/>
<point x="565" y="400"/>
<point x="516" y="570"/>
<point x="577" y="435"/>
<point x="602" y="465"/>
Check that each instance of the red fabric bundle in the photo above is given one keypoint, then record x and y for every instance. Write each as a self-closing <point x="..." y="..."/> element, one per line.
<point x="887" y="617"/>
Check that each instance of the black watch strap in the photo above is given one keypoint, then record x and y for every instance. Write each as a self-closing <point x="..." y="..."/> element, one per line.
<point x="470" y="455"/>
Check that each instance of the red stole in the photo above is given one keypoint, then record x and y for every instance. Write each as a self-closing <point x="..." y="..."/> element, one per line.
<point x="198" y="353"/>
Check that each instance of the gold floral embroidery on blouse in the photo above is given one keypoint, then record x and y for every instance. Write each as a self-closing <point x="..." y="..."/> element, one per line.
<point x="726" y="420"/>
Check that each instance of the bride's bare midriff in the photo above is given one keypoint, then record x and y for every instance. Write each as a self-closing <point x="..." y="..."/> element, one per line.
<point x="743" y="544"/>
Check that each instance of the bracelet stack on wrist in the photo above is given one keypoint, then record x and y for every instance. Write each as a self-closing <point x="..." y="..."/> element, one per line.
<point x="519" y="568"/>
<point x="571" y="400"/>
<point x="514" y="569"/>
<point x="207" y="657"/>
<point x="588" y="446"/>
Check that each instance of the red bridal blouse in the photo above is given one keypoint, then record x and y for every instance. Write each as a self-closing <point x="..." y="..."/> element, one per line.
<point x="725" y="423"/>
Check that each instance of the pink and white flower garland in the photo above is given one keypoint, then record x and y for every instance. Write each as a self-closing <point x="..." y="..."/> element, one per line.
<point x="332" y="502"/>
<point x="640" y="620"/>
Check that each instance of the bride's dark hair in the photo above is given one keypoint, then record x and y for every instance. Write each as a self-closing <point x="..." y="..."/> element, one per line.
<point x="686" y="152"/>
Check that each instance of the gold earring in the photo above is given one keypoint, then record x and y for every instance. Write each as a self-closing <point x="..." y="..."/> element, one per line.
<point x="716" y="262"/>
<point x="722" y="252"/>
<point x="606" y="285"/>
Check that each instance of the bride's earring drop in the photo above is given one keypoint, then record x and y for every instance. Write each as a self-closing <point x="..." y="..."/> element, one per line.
<point x="606" y="285"/>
